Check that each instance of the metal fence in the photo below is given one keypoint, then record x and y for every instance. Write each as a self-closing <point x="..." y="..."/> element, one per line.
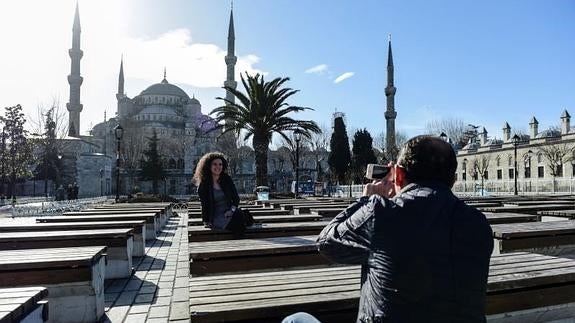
<point x="524" y="186"/>
<point x="53" y="207"/>
<point x="488" y="187"/>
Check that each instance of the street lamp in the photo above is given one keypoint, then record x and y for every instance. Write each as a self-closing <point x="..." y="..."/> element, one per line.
<point x="119" y="132"/>
<point x="515" y="140"/>
<point x="464" y="174"/>
<point x="297" y="137"/>
<point x="443" y="136"/>
<point x="101" y="182"/>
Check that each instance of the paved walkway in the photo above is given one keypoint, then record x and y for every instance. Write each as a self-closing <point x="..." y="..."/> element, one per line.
<point x="158" y="291"/>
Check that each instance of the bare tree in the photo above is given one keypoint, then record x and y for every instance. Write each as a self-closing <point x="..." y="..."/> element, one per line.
<point x="380" y="143"/>
<point x="59" y="116"/>
<point x="291" y="145"/>
<point x="481" y="165"/>
<point x="234" y="148"/>
<point x="456" y="129"/>
<point x="556" y="155"/>
<point x="132" y="150"/>
<point x="319" y="144"/>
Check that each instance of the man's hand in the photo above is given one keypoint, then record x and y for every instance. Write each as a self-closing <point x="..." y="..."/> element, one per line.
<point x="384" y="187"/>
<point x="228" y="214"/>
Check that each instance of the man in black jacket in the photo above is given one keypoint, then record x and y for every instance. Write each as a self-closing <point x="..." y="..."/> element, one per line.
<point x="424" y="253"/>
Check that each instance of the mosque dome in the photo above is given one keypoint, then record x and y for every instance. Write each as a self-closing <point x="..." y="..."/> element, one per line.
<point x="165" y="88"/>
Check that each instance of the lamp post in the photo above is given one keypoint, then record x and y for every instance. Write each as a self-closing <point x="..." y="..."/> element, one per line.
<point x="464" y="174"/>
<point x="101" y="182"/>
<point x="515" y="144"/>
<point x="119" y="132"/>
<point x="443" y="136"/>
<point x="297" y="137"/>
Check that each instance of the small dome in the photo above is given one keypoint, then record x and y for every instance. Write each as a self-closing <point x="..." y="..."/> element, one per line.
<point x="549" y="133"/>
<point x="193" y="100"/>
<point x="165" y="88"/>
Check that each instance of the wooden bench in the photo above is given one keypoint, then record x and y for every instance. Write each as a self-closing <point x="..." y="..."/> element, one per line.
<point x="139" y="249"/>
<point x="152" y="225"/>
<point x="161" y="218"/>
<point x="303" y="209"/>
<point x="118" y="241"/>
<point x="499" y="218"/>
<point x="164" y="212"/>
<point x="271" y="219"/>
<point x="263" y="212"/>
<point x="266" y="230"/>
<point x="74" y="278"/>
<point x="529" y="209"/>
<point x="216" y="257"/>
<point x="552" y="238"/>
<point x="522" y="287"/>
<point x="25" y="304"/>
<point x="327" y="212"/>
<point x="568" y="214"/>
<point x="483" y="204"/>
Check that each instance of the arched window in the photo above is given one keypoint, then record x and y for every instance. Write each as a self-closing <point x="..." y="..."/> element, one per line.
<point x="539" y="158"/>
<point x="510" y="161"/>
<point x="497" y="161"/>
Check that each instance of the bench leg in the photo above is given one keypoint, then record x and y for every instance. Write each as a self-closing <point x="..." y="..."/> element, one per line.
<point x="139" y="244"/>
<point x="78" y="302"/>
<point x="119" y="261"/>
<point x="151" y="231"/>
<point x="36" y="316"/>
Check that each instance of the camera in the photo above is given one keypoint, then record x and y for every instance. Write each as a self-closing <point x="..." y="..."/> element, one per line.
<point x="376" y="172"/>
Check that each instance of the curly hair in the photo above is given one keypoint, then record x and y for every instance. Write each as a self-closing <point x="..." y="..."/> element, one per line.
<point x="203" y="169"/>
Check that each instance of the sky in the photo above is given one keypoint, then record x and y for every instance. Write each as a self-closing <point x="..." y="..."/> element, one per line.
<point x="484" y="62"/>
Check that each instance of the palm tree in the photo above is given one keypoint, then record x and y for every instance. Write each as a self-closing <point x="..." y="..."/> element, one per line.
<point x="260" y="113"/>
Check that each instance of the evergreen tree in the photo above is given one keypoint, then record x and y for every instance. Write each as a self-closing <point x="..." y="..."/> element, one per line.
<point x="339" y="157"/>
<point x="50" y="165"/>
<point x="17" y="148"/>
<point x="362" y="153"/>
<point x="152" y="165"/>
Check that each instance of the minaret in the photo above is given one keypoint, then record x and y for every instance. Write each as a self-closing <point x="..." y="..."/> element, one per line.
<point x="121" y="80"/>
<point x="231" y="59"/>
<point x="121" y="95"/>
<point x="390" y="114"/>
<point x="74" y="79"/>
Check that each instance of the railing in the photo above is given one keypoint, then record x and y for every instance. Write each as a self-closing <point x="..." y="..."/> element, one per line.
<point x="524" y="187"/>
<point x="490" y="187"/>
<point x="54" y="207"/>
<point x="343" y="190"/>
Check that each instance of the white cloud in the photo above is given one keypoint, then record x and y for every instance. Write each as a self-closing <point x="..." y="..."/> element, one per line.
<point x="343" y="77"/>
<point x="199" y="65"/>
<point x="31" y="76"/>
<point x="318" y="69"/>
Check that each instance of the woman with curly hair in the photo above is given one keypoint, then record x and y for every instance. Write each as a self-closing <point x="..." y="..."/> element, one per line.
<point x="216" y="189"/>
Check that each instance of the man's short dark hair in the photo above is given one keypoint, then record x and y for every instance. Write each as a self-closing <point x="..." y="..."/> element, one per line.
<point x="428" y="158"/>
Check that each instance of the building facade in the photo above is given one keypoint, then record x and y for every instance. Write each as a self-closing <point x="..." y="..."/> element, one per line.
<point x="540" y="161"/>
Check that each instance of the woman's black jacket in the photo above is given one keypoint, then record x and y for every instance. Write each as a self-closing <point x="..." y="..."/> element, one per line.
<point x="206" y="194"/>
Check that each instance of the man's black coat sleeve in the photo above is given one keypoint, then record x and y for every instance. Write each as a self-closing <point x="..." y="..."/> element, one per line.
<point x="347" y="238"/>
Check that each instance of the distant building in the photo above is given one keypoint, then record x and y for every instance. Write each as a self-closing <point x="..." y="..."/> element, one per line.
<point x="545" y="161"/>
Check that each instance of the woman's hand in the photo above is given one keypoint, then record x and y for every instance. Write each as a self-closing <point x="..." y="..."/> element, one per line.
<point x="228" y="214"/>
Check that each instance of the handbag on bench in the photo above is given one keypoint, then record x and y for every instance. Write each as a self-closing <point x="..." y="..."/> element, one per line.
<point x="241" y="219"/>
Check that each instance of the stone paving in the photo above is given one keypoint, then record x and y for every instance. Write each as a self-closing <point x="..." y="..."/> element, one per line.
<point x="158" y="290"/>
